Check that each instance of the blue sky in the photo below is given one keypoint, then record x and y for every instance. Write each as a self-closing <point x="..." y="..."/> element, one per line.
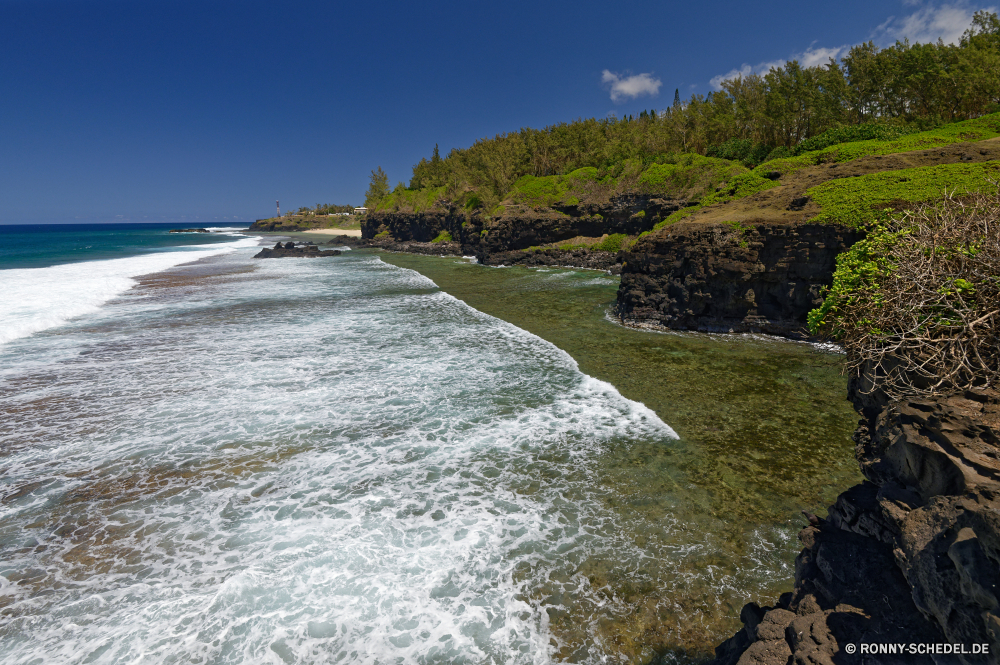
<point x="149" y="109"/>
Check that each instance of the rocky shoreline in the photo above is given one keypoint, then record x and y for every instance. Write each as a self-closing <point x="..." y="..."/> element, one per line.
<point x="909" y="557"/>
<point x="716" y="277"/>
<point x="730" y="278"/>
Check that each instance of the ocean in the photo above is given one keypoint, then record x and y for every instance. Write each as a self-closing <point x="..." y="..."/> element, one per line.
<point x="210" y="459"/>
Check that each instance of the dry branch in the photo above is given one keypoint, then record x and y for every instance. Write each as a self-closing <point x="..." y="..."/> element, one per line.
<point x="930" y="322"/>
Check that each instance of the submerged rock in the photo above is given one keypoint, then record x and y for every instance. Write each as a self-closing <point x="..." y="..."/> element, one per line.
<point x="289" y="250"/>
<point x="189" y="231"/>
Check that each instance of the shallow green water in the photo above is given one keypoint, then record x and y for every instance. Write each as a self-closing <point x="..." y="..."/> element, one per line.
<point x="764" y="424"/>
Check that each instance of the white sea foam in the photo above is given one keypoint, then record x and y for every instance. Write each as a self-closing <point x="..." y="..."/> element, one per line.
<point x="36" y="299"/>
<point x="340" y="465"/>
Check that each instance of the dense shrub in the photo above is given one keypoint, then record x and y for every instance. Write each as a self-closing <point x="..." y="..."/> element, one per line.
<point x="741" y="150"/>
<point x="611" y="243"/>
<point x="864" y="132"/>
<point x="916" y="304"/>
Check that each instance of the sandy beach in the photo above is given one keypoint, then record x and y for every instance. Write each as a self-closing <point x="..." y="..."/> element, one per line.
<point x="336" y="232"/>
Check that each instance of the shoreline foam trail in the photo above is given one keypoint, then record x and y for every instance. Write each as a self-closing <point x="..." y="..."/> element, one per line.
<point x="37" y="299"/>
<point x="323" y="460"/>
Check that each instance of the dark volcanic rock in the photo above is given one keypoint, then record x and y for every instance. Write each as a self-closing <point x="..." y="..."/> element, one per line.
<point x="289" y="250"/>
<point x="911" y="556"/>
<point x="730" y="278"/>
<point x="520" y="228"/>
<point x="189" y="231"/>
<point x="410" y="246"/>
<point x="630" y="214"/>
<point x="569" y="258"/>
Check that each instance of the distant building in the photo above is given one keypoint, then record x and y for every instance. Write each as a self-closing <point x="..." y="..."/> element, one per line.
<point x="360" y="211"/>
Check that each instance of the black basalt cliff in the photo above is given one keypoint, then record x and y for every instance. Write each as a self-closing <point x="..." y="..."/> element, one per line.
<point x="756" y="277"/>
<point x="516" y="236"/>
<point x="909" y="557"/>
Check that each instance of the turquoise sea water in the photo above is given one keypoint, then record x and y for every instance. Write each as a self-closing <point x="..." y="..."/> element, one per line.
<point x="207" y="458"/>
<point x="43" y="245"/>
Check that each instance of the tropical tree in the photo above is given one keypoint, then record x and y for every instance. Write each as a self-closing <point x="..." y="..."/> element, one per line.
<point x="378" y="188"/>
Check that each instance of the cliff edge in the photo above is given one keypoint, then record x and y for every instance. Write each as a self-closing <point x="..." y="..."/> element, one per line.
<point x="754" y="277"/>
<point x="910" y="557"/>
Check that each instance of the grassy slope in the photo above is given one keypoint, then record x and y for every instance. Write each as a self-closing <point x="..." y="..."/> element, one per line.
<point x="914" y="183"/>
<point x="688" y="176"/>
<point x="860" y="201"/>
<point x="716" y="182"/>
<point x="980" y="129"/>
<point x="722" y="190"/>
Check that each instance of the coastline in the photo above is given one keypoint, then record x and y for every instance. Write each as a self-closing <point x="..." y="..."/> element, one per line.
<point x="704" y="277"/>
<point x="353" y="233"/>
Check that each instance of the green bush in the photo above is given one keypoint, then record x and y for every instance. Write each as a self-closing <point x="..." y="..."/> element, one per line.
<point x="612" y="243"/>
<point x="690" y="175"/>
<point x="914" y="303"/>
<point x="780" y="152"/>
<point x="411" y="200"/>
<point x="864" y="132"/>
<point x="444" y="236"/>
<point x="741" y="150"/>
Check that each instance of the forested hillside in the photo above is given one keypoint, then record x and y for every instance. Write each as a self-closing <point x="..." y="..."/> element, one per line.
<point x="870" y="94"/>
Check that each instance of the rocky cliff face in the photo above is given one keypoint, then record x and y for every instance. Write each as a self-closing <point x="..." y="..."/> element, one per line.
<point x="508" y="238"/>
<point x="730" y="277"/>
<point x="522" y="227"/>
<point x="911" y="556"/>
<point x="758" y="277"/>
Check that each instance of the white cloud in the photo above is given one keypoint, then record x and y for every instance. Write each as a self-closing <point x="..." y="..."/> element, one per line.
<point x="630" y="87"/>
<point x="811" y="57"/>
<point x="928" y="24"/>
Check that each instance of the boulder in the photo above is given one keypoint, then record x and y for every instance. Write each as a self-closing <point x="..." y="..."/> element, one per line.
<point x="289" y="250"/>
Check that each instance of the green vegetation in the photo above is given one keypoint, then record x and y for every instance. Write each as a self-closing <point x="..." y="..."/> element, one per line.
<point x="382" y="234"/>
<point x="979" y="129"/>
<point x="612" y="243"/>
<point x="743" y="185"/>
<point x="864" y="200"/>
<point x="444" y="236"/>
<point x="888" y="96"/>
<point x="915" y="303"/>
<point x="378" y="189"/>
<point x="323" y="216"/>
<point x="867" y="131"/>
<point x="409" y="200"/>
<point x="325" y="209"/>
<point x="555" y="190"/>
<point x="690" y="175"/>
<point x="687" y="176"/>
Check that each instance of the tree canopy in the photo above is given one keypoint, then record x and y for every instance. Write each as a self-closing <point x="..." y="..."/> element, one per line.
<point x="903" y="88"/>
